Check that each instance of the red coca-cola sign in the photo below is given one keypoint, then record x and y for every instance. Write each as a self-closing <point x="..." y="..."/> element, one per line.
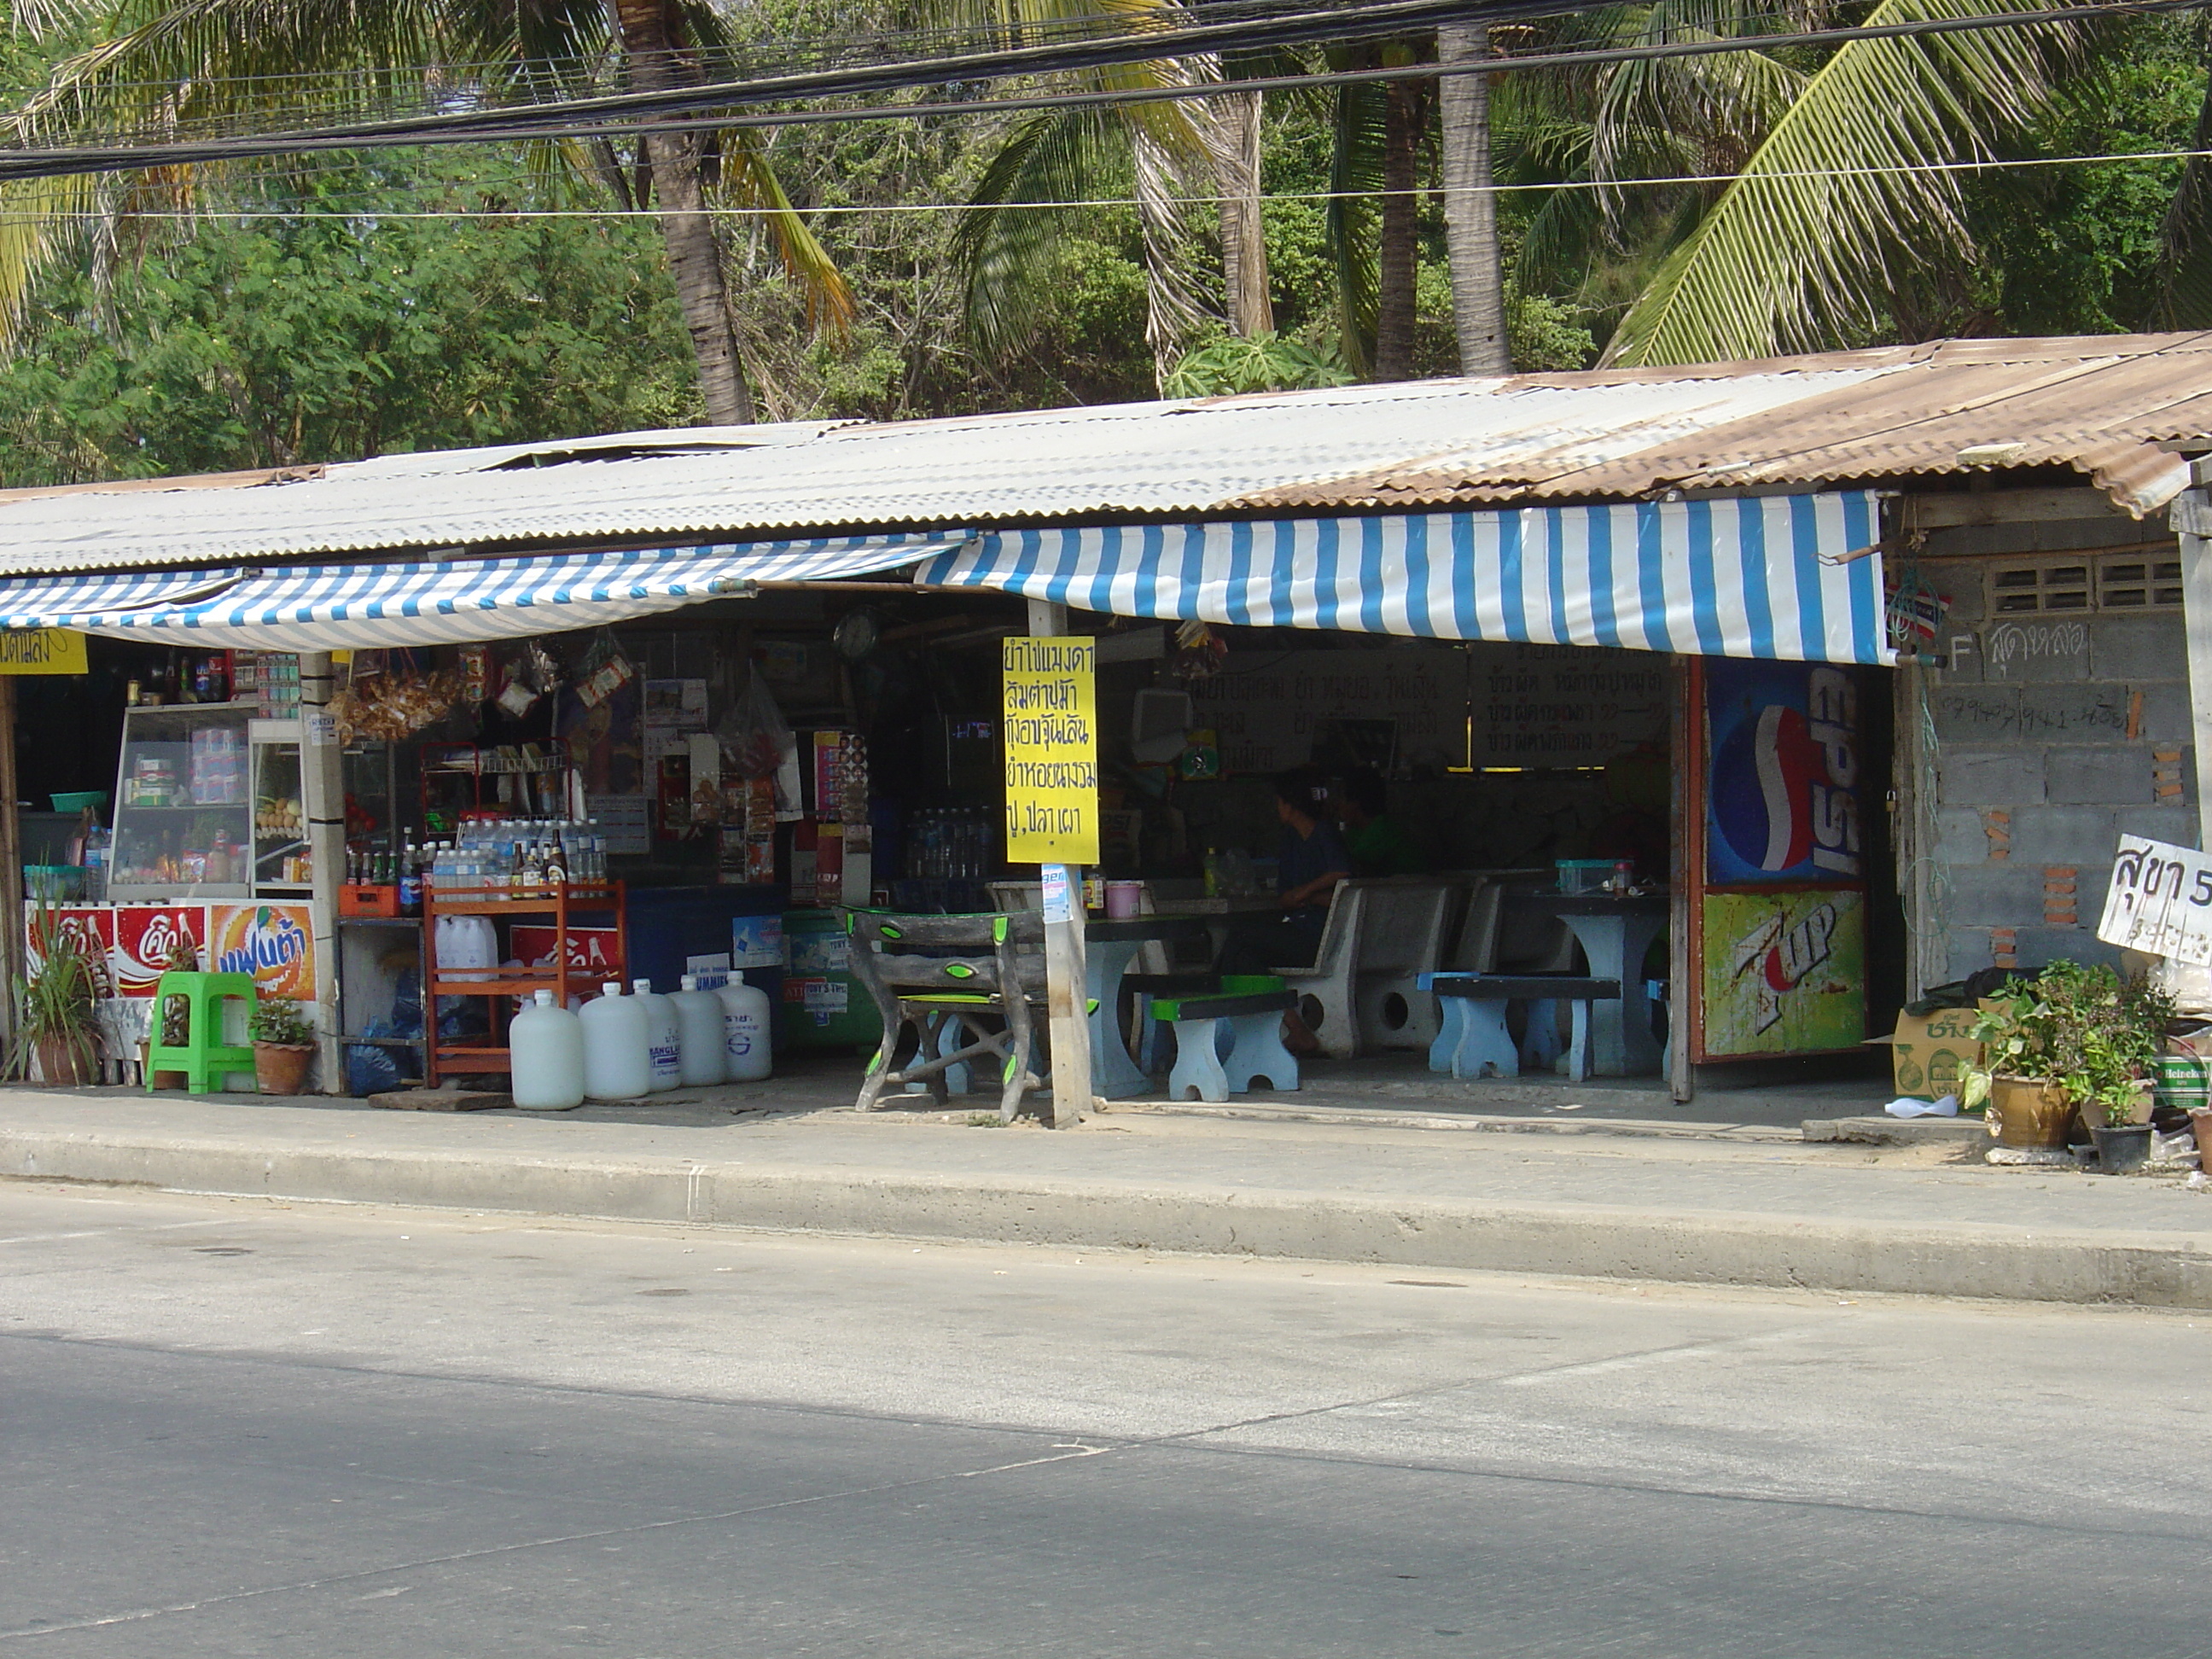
<point x="147" y="936"/>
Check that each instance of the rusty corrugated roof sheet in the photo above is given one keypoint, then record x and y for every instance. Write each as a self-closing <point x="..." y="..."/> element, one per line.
<point x="2107" y="406"/>
<point x="2102" y="405"/>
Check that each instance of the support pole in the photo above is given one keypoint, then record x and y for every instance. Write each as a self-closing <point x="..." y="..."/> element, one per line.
<point x="322" y="798"/>
<point x="1066" y="1015"/>
<point x="2196" y="624"/>
<point x="12" y="964"/>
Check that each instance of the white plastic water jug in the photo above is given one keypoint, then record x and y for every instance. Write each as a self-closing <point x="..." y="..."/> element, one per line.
<point x="617" y="1050"/>
<point x="467" y="947"/>
<point x="664" y="1035"/>
<point x="545" y="1049"/>
<point x="699" y="1029"/>
<point x="745" y="1053"/>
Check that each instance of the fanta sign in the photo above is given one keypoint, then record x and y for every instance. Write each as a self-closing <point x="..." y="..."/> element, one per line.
<point x="1784" y="774"/>
<point x="272" y="942"/>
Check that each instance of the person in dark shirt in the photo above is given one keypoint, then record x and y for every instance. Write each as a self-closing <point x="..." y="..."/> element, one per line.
<point x="1377" y="845"/>
<point x="1310" y="861"/>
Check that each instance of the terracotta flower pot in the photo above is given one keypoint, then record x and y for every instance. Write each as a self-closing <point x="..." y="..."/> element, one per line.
<point x="2029" y="1111"/>
<point x="62" y="1061"/>
<point x="281" y="1068"/>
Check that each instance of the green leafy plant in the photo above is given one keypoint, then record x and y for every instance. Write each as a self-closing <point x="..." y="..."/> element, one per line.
<point x="54" y="1004"/>
<point x="1264" y="362"/>
<point x="279" y="1025"/>
<point x="2093" y="1033"/>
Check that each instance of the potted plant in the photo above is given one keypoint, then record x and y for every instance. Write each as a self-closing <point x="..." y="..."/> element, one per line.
<point x="284" y="1043"/>
<point x="2072" y="1040"/>
<point x="54" y="1009"/>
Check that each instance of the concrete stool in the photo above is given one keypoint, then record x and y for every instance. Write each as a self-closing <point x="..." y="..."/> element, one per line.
<point x="1223" y="1042"/>
<point x="1475" y="1039"/>
<point x="202" y="1056"/>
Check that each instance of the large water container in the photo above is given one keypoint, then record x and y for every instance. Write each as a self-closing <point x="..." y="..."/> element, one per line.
<point x="467" y="947"/>
<point x="664" y="1035"/>
<point x="698" y="1033"/>
<point x="545" y="1047"/>
<point x="745" y="1031"/>
<point x="617" y="1047"/>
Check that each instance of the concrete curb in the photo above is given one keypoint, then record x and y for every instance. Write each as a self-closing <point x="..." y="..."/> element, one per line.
<point x="1692" y="1246"/>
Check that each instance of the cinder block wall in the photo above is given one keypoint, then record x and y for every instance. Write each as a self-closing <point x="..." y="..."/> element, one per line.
<point x="2054" y="735"/>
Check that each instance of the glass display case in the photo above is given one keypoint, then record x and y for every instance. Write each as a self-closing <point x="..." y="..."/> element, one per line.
<point x="280" y="818"/>
<point x="207" y="805"/>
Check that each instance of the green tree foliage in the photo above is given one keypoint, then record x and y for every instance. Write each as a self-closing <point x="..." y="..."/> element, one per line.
<point x="300" y="338"/>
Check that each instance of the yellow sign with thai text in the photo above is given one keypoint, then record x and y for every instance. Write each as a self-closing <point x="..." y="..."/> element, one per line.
<point x="1052" y="750"/>
<point x="42" y="651"/>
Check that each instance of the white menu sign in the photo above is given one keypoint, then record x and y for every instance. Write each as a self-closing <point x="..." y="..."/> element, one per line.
<point x="2160" y="901"/>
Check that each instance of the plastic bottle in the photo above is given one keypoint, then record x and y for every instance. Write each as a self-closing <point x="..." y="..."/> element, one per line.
<point x="699" y="1038"/>
<point x="617" y="1057"/>
<point x="745" y="1053"/>
<point x="546" y="1047"/>
<point x="664" y="1035"/>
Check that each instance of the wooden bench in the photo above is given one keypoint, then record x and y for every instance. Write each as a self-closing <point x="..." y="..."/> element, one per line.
<point x="1225" y="1041"/>
<point x="1475" y="1039"/>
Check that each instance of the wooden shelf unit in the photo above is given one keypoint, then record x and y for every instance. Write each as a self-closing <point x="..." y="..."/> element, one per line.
<point x="558" y="905"/>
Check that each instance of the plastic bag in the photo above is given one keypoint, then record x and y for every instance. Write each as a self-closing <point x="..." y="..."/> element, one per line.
<point x="757" y="743"/>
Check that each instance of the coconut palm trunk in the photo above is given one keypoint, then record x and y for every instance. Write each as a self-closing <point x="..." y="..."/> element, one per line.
<point x="695" y="252"/>
<point x="1398" y="266"/>
<point x="1478" y="284"/>
<point x="1234" y="139"/>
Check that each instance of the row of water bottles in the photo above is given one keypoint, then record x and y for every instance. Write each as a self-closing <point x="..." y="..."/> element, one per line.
<point x="950" y="843"/>
<point x="520" y="851"/>
<point x="624" y="1047"/>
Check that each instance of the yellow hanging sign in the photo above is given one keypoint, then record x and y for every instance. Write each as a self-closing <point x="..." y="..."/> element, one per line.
<point x="1052" y="750"/>
<point x="42" y="651"/>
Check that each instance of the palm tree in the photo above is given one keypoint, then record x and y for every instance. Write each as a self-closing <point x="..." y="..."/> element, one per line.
<point x="1173" y="150"/>
<point x="166" y="66"/>
<point x="1846" y="196"/>
<point x="1470" y="208"/>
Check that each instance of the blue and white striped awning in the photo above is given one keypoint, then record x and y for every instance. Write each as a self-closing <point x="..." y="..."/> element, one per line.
<point x="441" y="602"/>
<point x="1786" y="576"/>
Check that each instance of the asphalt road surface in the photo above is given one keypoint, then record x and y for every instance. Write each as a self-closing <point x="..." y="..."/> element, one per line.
<point x="238" y="1428"/>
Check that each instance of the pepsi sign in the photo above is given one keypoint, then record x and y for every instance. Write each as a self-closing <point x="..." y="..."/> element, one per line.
<point x="1782" y="802"/>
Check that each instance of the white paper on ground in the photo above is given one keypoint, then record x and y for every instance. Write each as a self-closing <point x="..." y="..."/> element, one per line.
<point x="1905" y="1106"/>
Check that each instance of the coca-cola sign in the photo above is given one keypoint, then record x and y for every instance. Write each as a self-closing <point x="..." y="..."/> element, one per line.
<point x="146" y="941"/>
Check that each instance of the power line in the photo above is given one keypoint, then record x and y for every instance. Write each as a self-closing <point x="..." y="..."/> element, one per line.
<point x="674" y="111"/>
<point x="853" y="210"/>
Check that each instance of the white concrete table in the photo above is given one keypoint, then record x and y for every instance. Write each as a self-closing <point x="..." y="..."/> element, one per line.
<point x="1614" y="930"/>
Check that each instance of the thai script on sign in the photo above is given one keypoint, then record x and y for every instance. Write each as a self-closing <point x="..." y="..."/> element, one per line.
<point x="2159" y="901"/>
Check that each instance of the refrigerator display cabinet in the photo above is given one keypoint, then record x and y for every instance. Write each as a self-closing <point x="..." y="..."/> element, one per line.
<point x="207" y="805"/>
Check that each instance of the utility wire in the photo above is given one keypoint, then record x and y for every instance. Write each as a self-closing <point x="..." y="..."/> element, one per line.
<point x="846" y="209"/>
<point x="676" y="110"/>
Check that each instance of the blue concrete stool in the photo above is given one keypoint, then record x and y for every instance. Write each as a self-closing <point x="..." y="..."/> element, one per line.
<point x="1224" y="1042"/>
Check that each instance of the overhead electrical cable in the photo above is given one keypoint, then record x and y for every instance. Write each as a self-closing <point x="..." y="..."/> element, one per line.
<point x="682" y="109"/>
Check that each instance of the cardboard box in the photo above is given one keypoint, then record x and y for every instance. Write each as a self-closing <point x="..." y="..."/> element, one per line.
<point x="1928" y="1051"/>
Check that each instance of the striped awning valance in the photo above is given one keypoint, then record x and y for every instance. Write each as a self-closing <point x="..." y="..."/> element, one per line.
<point x="436" y="602"/>
<point x="1781" y="576"/>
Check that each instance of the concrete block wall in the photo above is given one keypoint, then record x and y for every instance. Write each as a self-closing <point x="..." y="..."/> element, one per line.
<point x="2054" y="736"/>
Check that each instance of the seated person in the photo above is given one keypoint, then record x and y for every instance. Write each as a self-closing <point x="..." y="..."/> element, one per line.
<point x="1378" y="846"/>
<point x="1309" y="862"/>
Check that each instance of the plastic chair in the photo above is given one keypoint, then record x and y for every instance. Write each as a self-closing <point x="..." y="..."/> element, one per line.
<point x="202" y="1056"/>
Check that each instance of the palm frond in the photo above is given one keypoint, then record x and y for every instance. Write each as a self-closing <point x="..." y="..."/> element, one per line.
<point x="2184" y="288"/>
<point x="748" y="178"/>
<point x="1006" y="251"/>
<point x="1842" y="195"/>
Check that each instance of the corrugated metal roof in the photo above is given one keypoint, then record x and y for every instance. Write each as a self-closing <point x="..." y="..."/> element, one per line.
<point x="2102" y="405"/>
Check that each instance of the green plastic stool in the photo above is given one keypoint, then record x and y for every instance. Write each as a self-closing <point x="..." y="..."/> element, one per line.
<point x="202" y="1056"/>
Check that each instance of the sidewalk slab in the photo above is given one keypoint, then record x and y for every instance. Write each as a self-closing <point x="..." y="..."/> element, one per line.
<point x="1836" y="1215"/>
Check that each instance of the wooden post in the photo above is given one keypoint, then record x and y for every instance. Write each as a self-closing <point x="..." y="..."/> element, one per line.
<point x="322" y="798"/>
<point x="1066" y="1016"/>
<point x="11" y="863"/>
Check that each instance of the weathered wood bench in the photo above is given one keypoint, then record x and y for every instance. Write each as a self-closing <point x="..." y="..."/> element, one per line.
<point x="1475" y="1039"/>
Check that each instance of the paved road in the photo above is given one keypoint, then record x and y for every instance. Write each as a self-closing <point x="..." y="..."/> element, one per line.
<point x="235" y="1428"/>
